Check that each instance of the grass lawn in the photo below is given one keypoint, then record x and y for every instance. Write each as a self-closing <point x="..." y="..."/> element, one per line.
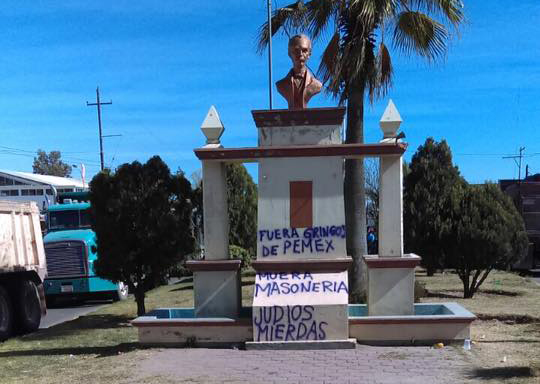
<point x="102" y="346"/>
<point x="506" y="336"/>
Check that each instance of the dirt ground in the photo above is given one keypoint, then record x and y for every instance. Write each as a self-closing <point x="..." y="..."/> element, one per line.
<point x="506" y="336"/>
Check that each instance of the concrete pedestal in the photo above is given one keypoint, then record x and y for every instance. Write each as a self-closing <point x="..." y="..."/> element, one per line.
<point x="391" y="285"/>
<point x="217" y="288"/>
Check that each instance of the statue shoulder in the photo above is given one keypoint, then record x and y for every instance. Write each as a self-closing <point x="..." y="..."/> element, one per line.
<point x="316" y="84"/>
<point x="283" y="83"/>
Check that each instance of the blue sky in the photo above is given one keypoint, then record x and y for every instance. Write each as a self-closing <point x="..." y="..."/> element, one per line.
<point x="164" y="63"/>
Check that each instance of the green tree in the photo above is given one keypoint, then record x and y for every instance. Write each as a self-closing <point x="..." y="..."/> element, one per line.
<point x="356" y="63"/>
<point x="50" y="164"/>
<point x="141" y="215"/>
<point x="197" y="217"/>
<point x="487" y="232"/>
<point x="242" y="208"/>
<point x="428" y="187"/>
<point x="372" y="191"/>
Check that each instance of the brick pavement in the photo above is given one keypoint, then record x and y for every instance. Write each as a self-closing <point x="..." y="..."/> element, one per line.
<point x="365" y="364"/>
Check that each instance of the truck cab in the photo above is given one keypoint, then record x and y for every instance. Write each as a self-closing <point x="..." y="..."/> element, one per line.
<point x="71" y="250"/>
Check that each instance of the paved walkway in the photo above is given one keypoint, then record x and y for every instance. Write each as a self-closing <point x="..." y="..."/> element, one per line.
<point x="365" y="365"/>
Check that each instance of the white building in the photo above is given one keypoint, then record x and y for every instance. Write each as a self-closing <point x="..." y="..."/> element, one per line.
<point x="23" y="186"/>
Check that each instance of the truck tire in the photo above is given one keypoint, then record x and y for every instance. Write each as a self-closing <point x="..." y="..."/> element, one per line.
<point x="6" y="315"/>
<point x="121" y="292"/>
<point x="29" y="307"/>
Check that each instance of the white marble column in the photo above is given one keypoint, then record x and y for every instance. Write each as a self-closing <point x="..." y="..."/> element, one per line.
<point x="216" y="219"/>
<point x="391" y="207"/>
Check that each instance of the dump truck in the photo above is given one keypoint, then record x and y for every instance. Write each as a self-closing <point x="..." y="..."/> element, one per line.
<point x="22" y="268"/>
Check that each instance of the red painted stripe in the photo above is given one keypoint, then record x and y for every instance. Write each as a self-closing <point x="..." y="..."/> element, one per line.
<point x="392" y="262"/>
<point x="213" y="265"/>
<point x="453" y="320"/>
<point x="202" y="323"/>
<point x="300" y="266"/>
<point x="339" y="150"/>
<point x="298" y="117"/>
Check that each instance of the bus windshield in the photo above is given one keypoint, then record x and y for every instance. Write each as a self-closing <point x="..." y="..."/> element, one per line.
<point x="69" y="220"/>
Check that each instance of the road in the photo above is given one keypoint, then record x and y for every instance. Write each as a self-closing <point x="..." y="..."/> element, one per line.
<point x="69" y="311"/>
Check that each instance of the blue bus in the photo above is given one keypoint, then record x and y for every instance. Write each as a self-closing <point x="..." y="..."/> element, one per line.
<point x="70" y="250"/>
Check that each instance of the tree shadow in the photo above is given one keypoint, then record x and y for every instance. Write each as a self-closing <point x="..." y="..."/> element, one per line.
<point x="188" y="287"/>
<point x="532" y="341"/>
<point x="509" y="318"/>
<point x="74" y="302"/>
<point x="500" y="292"/>
<point x="186" y="279"/>
<point x="80" y="324"/>
<point x="502" y="373"/>
<point x="104" y="351"/>
<point x="443" y="295"/>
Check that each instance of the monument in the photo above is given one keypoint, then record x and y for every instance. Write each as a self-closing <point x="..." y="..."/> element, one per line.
<point x="300" y="295"/>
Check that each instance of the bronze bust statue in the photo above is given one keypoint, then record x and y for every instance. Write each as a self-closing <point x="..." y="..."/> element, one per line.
<point x="299" y="86"/>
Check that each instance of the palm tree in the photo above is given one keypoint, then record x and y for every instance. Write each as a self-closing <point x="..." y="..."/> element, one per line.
<point x="356" y="63"/>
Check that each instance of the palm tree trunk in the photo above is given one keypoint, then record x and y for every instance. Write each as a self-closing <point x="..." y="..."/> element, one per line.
<point x="355" y="203"/>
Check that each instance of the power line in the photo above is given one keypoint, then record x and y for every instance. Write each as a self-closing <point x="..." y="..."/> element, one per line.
<point x="66" y="159"/>
<point x="480" y="154"/>
<point x="26" y="150"/>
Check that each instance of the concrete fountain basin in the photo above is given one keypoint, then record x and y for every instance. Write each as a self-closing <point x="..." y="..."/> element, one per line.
<point x="431" y="322"/>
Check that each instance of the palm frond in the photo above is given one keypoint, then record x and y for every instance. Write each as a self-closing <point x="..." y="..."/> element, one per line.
<point x="415" y="32"/>
<point x="319" y="14"/>
<point x="451" y="10"/>
<point x="328" y="68"/>
<point x="373" y="12"/>
<point x="289" y="18"/>
<point x="384" y="72"/>
<point x="358" y="61"/>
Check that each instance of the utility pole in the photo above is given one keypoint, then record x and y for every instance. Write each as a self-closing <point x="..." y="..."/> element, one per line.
<point x="518" y="162"/>
<point x="270" y="52"/>
<point x="98" y="103"/>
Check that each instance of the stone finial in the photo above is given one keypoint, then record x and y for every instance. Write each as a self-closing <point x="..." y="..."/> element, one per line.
<point x="212" y="128"/>
<point x="390" y="121"/>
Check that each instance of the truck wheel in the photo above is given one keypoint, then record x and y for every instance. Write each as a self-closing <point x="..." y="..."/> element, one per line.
<point x="29" y="308"/>
<point x="6" y="315"/>
<point x="121" y="292"/>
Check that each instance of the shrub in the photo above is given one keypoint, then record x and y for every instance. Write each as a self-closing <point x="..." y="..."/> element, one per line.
<point x="240" y="253"/>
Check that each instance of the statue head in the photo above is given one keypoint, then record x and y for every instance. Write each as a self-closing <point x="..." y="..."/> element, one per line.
<point x="299" y="50"/>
